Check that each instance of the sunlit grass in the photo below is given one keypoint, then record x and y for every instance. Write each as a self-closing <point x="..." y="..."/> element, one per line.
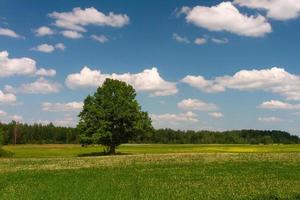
<point x="152" y="172"/>
<point x="56" y="150"/>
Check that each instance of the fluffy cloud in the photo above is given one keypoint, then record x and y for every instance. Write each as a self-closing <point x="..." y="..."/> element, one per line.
<point x="78" y="18"/>
<point x="270" y="119"/>
<point x="47" y="48"/>
<point x="43" y="31"/>
<point x="72" y="34"/>
<point x="180" y="39"/>
<point x="202" y="84"/>
<point x="60" y="46"/>
<point x="20" y="66"/>
<point x="200" y="41"/>
<point x="226" y="17"/>
<point x="216" y="114"/>
<point x="45" y="72"/>
<point x="40" y="86"/>
<point x="2" y="113"/>
<point x="7" y="98"/>
<point x="9" y="33"/>
<point x="276" y="9"/>
<point x="149" y="80"/>
<point x="279" y="105"/>
<point x="15" y="66"/>
<point x="182" y="117"/>
<point x="62" y="107"/>
<point x="196" y="104"/>
<point x="275" y="80"/>
<point x="99" y="38"/>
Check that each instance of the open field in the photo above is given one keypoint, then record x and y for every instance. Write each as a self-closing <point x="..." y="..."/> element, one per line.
<point x="152" y="172"/>
<point x="58" y="150"/>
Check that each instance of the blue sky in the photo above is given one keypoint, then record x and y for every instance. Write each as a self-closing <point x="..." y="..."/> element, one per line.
<point x="195" y="64"/>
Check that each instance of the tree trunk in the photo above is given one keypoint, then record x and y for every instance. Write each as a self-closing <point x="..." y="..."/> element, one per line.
<point x="112" y="150"/>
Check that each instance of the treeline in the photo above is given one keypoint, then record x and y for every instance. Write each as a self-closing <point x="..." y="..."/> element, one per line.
<point x="37" y="134"/>
<point x="169" y="136"/>
<point x="50" y="134"/>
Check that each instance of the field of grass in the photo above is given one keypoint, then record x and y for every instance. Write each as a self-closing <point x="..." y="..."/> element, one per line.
<point x="152" y="172"/>
<point x="58" y="150"/>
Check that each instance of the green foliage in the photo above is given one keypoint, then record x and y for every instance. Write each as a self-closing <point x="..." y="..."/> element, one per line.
<point x="38" y="134"/>
<point x="169" y="136"/>
<point x="112" y="116"/>
<point x="49" y="134"/>
<point x="1" y="137"/>
<point x="2" y="152"/>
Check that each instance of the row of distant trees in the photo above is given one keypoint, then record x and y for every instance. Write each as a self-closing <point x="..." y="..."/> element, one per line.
<point x="48" y="134"/>
<point x="169" y="136"/>
<point x="15" y="133"/>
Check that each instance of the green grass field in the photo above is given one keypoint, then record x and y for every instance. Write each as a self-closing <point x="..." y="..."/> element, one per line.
<point x="152" y="172"/>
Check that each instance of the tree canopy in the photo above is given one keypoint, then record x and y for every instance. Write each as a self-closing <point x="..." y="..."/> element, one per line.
<point x="112" y="116"/>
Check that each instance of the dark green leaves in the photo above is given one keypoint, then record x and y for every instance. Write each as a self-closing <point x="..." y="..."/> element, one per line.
<point x="112" y="115"/>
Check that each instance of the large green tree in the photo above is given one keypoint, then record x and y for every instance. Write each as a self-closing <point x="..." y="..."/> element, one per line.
<point x="112" y="116"/>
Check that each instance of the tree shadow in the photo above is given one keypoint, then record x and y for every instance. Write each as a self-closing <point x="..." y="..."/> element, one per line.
<point x="275" y="197"/>
<point x="93" y="154"/>
<point x="6" y="154"/>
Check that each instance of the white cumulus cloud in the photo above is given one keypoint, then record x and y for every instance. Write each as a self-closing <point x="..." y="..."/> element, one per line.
<point x="202" y="84"/>
<point x="182" y="117"/>
<point x="40" y="86"/>
<point x="9" y="33"/>
<point x="148" y="80"/>
<point x="62" y="107"/>
<point x="15" y="66"/>
<point x="275" y="80"/>
<point x="226" y="17"/>
<point x="276" y="9"/>
<point x="78" y="18"/>
<point x="43" y="31"/>
<point x="200" y="41"/>
<point x="7" y="98"/>
<point x="2" y="113"/>
<point x="21" y="66"/>
<point x="278" y="105"/>
<point x="196" y="104"/>
<point x="45" y="72"/>
<point x="48" y="48"/>
<point x="60" y="46"/>
<point x="72" y="34"/>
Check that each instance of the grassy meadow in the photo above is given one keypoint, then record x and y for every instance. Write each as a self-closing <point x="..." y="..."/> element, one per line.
<point x="151" y="172"/>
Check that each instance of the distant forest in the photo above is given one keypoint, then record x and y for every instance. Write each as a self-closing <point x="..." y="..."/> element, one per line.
<point x="49" y="134"/>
